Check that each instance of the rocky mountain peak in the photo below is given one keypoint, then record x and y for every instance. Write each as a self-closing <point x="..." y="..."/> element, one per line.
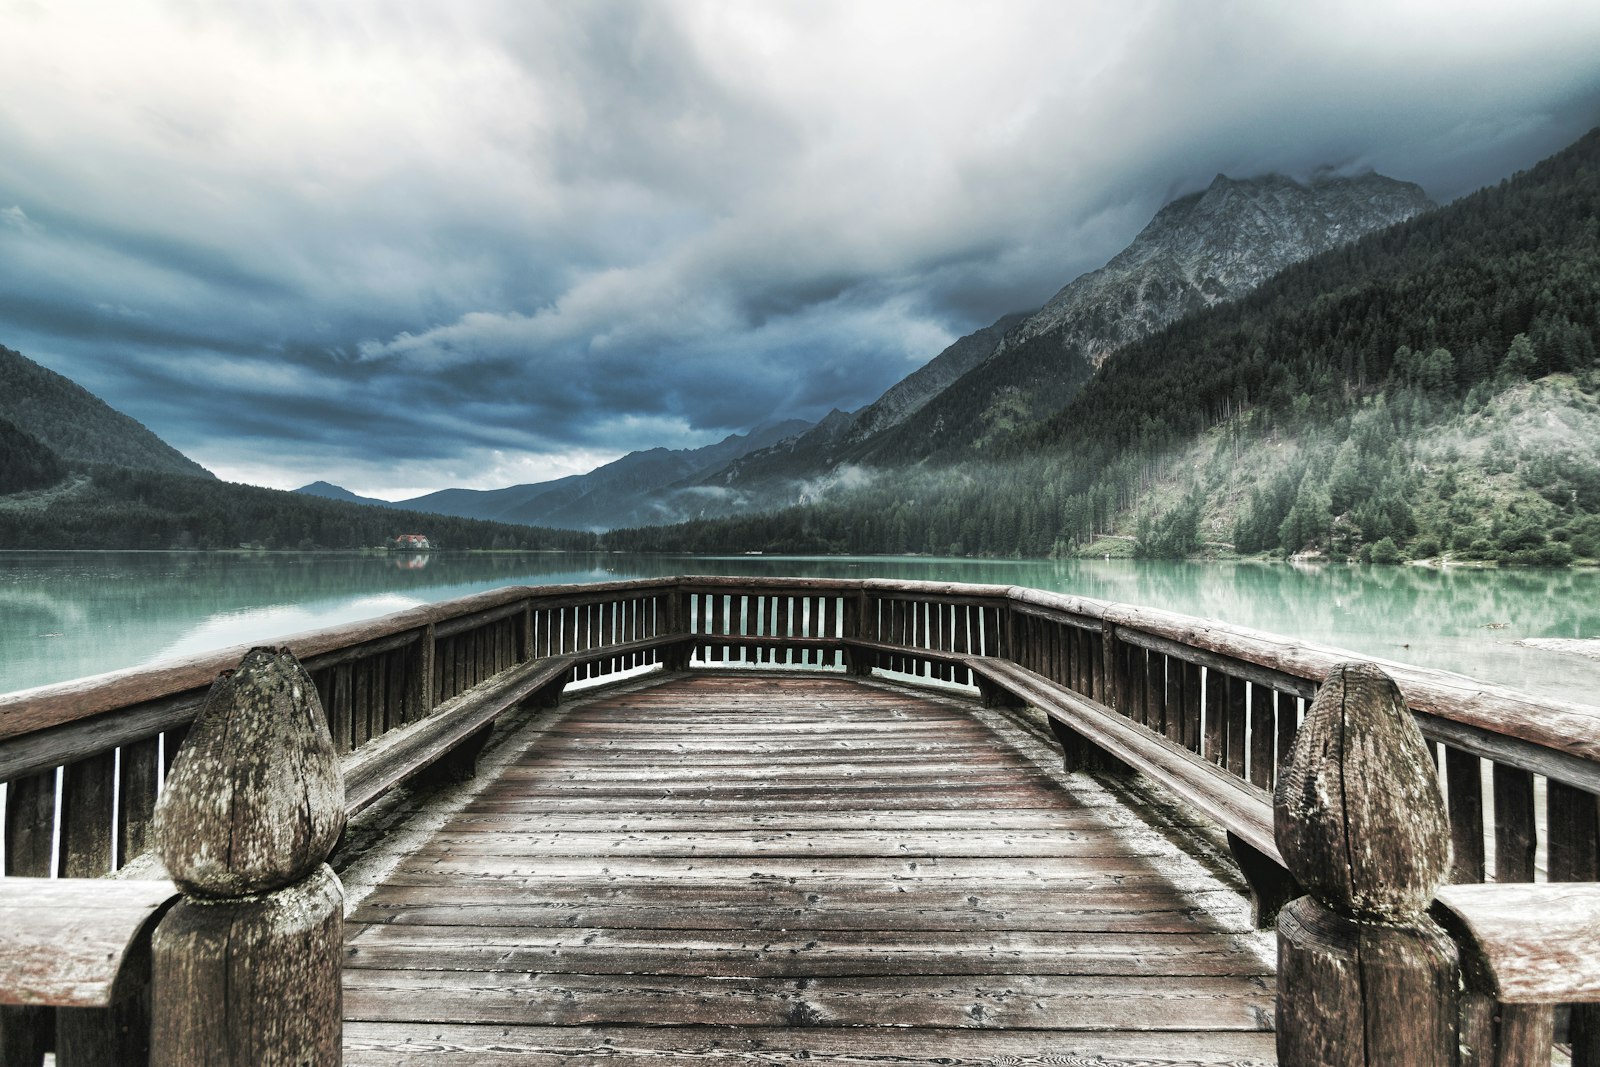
<point x="1216" y="244"/>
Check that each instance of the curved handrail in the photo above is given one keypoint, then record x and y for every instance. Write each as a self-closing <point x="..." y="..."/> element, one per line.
<point x="381" y="673"/>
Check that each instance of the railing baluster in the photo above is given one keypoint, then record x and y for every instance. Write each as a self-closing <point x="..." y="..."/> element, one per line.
<point x="1155" y="691"/>
<point x="1192" y="695"/>
<point x="1172" y="701"/>
<point x="31" y="825"/>
<point x="1464" y="797"/>
<point x="1238" y="716"/>
<point x="87" y="799"/>
<point x="1288" y="712"/>
<point x="1516" y="837"/>
<point x="1263" y="735"/>
<point x="1216" y="715"/>
<point x="137" y="782"/>
<point x="361" y="704"/>
<point x="716" y="627"/>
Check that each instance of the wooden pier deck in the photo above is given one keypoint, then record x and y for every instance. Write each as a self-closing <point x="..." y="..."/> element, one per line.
<point x="756" y="868"/>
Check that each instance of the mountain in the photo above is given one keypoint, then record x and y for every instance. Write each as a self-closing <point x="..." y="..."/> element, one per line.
<point x="651" y="486"/>
<point x="813" y="454"/>
<point x="1199" y="251"/>
<point x="329" y="491"/>
<point x="107" y="507"/>
<point x="77" y="425"/>
<point x="1430" y="390"/>
<point x="25" y="463"/>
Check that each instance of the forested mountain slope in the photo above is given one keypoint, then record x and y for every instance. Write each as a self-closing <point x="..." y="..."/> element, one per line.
<point x="653" y="484"/>
<point x="771" y="473"/>
<point x="76" y="424"/>
<point x="100" y="506"/>
<point x="1199" y="251"/>
<point x="1429" y="389"/>
<point x="1522" y="257"/>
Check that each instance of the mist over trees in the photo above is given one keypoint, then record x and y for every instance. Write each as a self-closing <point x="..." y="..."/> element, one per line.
<point x="1348" y="363"/>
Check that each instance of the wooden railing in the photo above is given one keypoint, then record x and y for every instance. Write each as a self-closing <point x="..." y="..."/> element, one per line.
<point x="83" y="762"/>
<point x="98" y="748"/>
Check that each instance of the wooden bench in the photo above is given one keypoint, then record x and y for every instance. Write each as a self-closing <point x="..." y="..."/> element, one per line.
<point x="77" y="949"/>
<point x="449" y="740"/>
<point x="1088" y="730"/>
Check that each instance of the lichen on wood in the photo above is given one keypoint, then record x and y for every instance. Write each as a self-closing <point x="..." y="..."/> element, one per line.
<point x="255" y="800"/>
<point x="1359" y="816"/>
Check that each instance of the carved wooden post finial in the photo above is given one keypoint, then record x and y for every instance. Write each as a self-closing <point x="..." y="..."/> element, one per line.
<point x="247" y="966"/>
<point x="1364" y="976"/>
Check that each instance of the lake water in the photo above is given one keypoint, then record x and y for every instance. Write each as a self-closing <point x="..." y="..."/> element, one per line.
<point x="65" y="615"/>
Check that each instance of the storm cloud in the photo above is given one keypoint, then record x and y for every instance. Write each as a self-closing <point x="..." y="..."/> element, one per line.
<point x="405" y="246"/>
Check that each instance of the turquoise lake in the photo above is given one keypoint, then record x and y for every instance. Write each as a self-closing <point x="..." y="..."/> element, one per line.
<point x="65" y="615"/>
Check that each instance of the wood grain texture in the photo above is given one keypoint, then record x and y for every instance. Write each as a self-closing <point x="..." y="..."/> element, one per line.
<point x="389" y="1044"/>
<point x="66" y="942"/>
<point x="252" y="981"/>
<point x="255" y="800"/>
<point x="1531" y="943"/>
<point x="1359" y="817"/>
<point x="1365" y="976"/>
<point x="751" y="868"/>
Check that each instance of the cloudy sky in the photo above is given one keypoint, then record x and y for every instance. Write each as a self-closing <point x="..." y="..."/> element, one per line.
<point x="403" y="246"/>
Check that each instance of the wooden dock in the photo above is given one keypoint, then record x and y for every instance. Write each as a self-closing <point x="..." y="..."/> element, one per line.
<point x="857" y="821"/>
<point x="755" y="868"/>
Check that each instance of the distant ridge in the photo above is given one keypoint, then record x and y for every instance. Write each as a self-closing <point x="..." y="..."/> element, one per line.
<point x="650" y="486"/>
<point x="329" y="491"/>
<point x="77" y="425"/>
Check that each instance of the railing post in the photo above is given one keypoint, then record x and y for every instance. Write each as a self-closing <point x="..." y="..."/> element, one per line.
<point x="676" y="657"/>
<point x="247" y="965"/>
<point x="1364" y="975"/>
<point x="856" y="625"/>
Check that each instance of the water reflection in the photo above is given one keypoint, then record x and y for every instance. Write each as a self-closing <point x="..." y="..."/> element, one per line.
<point x="65" y="615"/>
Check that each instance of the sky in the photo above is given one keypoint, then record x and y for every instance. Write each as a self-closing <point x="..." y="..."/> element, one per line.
<point x="401" y="246"/>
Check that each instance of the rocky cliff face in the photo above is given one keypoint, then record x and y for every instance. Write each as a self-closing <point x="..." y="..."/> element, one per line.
<point x="1209" y="246"/>
<point x="1201" y="249"/>
<point x="1212" y="246"/>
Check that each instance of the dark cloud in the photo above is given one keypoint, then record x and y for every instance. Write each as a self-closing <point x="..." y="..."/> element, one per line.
<point x="400" y="248"/>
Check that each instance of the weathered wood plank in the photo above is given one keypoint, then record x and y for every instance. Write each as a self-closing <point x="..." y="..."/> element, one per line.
<point x="782" y="853"/>
<point x="455" y="843"/>
<point x="665" y="906"/>
<point x="1106" y="871"/>
<point x="511" y="815"/>
<point x="799" y="953"/>
<point x="1515" y="833"/>
<point x="1530" y="944"/>
<point x="725" y="801"/>
<point x="88" y="798"/>
<point x="30" y="825"/>
<point x="136" y="797"/>
<point x="1043" y="1002"/>
<point x="65" y="942"/>
<point x="434" y="1045"/>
